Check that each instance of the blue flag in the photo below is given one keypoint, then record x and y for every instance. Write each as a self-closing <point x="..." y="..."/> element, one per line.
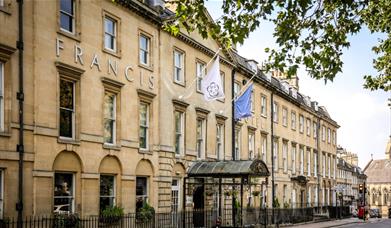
<point x="243" y="104"/>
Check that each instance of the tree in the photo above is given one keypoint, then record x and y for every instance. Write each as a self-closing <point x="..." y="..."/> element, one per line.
<point x="311" y="33"/>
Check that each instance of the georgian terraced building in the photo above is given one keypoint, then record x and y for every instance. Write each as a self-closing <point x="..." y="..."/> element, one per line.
<point x="114" y="115"/>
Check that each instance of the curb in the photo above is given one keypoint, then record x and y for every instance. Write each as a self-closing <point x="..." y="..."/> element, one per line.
<point x="343" y="224"/>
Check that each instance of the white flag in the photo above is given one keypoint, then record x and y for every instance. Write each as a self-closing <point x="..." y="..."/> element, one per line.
<point x="211" y="84"/>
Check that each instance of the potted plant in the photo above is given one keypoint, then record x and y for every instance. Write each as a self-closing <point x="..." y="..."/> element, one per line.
<point x="66" y="221"/>
<point x="111" y="215"/>
<point x="145" y="214"/>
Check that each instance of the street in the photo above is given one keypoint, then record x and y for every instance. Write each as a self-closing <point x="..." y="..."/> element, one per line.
<point x="377" y="223"/>
<point x="350" y="222"/>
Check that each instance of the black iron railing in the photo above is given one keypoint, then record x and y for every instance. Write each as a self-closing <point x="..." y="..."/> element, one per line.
<point x="189" y="219"/>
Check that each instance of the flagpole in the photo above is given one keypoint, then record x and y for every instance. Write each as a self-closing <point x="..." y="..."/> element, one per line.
<point x="202" y="73"/>
<point x="244" y="87"/>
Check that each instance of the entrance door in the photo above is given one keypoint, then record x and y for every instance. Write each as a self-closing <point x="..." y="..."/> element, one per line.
<point x="198" y="200"/>
<point x="302" y="198"/>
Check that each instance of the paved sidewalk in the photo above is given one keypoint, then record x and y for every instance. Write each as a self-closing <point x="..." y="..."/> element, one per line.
<point x="331" y="223"/>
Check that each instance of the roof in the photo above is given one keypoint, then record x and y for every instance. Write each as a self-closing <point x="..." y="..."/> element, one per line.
<point x="238" y="168"/>
<point x="275" y="83"/>
<point x="378" y="171"/>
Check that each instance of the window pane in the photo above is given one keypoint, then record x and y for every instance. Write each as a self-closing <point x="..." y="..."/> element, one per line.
<point x="178" y="122"/>
<point x="66" y="127"/>
<point x="109" y="106"/>
<point x="106" y="202"/>
<point x="109" y="41"/>
<point x="108" y="130"/>
<point x="66" y="94"/>
<point x="143" y="114"/>
<point x="63" y="192"/>
<point x="141" y="186"/>
<point x="106" y="185"/>
<point x="143" y="137"/>
<point x="66" y="22"/>
<point x="109" y="26"/>
<point x="143" y="43"/>
<point x="67" y="6"/>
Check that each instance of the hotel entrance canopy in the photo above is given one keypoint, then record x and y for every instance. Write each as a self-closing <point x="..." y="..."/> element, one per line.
<point x="229" y="169"/>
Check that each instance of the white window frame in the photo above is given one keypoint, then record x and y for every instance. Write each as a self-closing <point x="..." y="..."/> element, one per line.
<point x="236" y="88"/>
<point x="2" y="128"/>
<point x="220" y="130"/>
<point x="329" y="166"/>
<point x="284" y="117"/>
<point x="335" y="167"/>
<point x="114" y="196"/>
<point x="200" y="74"/>
<point x="308" y="163"/>
<point x="324" y="165"/>
<point x="201" y="139"/>
<point x="181" y="133"/>
<point x="328" y="135"/>
<point x="315" y="164"/>
<point x="308" y="126"/>
<point x="323" y="133"/>
<point x="251" y="145"/>
<point x="334" y="138"/>
<point x="146" y="126"/>
<point x="72" y="110"/>
<point x="314" y="126"/>
<point x="301" y="123"/>
<point x="263" y="105"/>
<point x="264" y="147"/>
<point x="175" y="189"/>
<point x="238" y="143"/>
<point x="146" y="51"/>
<point x="275" y="112"/>
<point x="63" y="12"/>
<point x="293" y="120"/>
<point x="275" y="154"/>
<point x="72" y="197"/>
<point x="113" y="36"/>
<point x="114" y="118"/>
<point x="285" y="156"/>
<point x="144" y="197"/>
<point x="180" y="66"/>
<point x="301" y="161"/>
<point x="293" y="159"/>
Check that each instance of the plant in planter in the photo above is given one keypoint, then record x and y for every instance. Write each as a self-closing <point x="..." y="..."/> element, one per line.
<point x="111" y="215"/>
<point x="276" y="204"/>
<point x="145" y="213"/>
<point x="66" y="221"/>
<point x="286" y="205"/>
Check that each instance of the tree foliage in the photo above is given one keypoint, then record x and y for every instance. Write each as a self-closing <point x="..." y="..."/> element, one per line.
<point x="312" y="33"/>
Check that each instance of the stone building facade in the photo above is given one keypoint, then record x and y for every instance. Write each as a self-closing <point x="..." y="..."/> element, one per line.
<point x="293" y="133"/>
<point x="113" y="114"/>
<point x="378" y="184"/>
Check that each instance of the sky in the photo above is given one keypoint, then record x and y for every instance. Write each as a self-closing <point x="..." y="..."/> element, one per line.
<point x="363" y="115"/>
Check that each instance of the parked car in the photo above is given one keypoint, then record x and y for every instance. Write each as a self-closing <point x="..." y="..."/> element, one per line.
<point x="374" y="213"/>
<point x="389" y="212"/>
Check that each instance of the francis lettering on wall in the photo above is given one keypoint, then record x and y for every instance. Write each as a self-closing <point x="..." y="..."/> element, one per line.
<point x="109" y="65"/>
